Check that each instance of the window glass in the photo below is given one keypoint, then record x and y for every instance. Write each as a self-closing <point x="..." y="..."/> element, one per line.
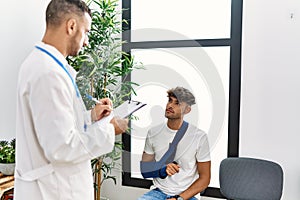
<point x="204" y="71"/>
<point x="195" y="19"/>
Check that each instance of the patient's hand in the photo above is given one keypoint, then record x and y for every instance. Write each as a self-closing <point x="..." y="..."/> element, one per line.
<point x="172" y="169"/>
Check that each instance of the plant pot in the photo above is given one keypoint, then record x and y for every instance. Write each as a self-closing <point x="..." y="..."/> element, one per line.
<point x="7" y="168"/>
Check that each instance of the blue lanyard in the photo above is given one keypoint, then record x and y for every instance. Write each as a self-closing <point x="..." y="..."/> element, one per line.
<point x="62" y="66"/>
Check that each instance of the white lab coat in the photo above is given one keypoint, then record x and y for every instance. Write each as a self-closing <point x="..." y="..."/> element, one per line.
<point x="53" y="148"/>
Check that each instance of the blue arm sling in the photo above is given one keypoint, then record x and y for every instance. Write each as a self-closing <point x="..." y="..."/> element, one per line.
<point x="158" y="169"/>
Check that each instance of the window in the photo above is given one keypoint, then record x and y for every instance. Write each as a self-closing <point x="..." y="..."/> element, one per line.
<point x="201" y="19"/>
<point x="201" y="55"/>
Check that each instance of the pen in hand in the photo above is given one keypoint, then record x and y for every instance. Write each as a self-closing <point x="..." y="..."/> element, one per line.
<point x="93" y="99"/>
<point x="103" y="107"/>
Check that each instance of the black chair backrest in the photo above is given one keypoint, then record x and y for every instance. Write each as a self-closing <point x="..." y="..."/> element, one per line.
<point x="250" y="179"/>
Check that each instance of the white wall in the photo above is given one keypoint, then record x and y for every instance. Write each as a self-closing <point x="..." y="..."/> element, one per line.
<point x="22" y="24"/>
<point x="270" y="108"/>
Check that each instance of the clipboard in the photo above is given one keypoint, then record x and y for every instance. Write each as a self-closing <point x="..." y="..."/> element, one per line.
<point x="127" y="108"/>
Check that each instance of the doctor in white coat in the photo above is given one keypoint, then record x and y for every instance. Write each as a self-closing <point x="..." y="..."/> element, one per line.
<point x="56" y="136"/>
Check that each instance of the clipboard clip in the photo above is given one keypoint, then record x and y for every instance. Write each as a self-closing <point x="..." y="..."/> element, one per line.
<point x="132" y="101"/>
<point x="128" y="107"/>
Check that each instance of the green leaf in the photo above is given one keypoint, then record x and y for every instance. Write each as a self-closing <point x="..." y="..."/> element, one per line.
<point x="102" y="68"/>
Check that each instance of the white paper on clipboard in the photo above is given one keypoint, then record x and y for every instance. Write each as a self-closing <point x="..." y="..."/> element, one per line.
<point x="127" y="108"/>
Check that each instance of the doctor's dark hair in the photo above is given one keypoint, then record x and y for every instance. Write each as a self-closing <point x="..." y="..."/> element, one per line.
<point x="58" y="10"/>
<point x="182" y="95"/>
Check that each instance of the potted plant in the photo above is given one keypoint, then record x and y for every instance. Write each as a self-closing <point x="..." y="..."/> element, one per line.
<point x="7" y="156"/>
<point x="102" y="72"/>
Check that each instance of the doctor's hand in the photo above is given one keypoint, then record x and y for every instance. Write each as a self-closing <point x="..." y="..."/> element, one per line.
<point x="106" y="101"/>
<point x="121" y="125"/>
<point x="101" y="110"/>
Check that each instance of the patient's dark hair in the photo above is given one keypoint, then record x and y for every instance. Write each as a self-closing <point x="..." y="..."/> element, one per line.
<point x="182" y="95"/>
<point x="57" y="10"/>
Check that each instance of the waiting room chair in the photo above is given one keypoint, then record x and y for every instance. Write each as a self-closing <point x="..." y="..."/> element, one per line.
<point x="250" y="179"/>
